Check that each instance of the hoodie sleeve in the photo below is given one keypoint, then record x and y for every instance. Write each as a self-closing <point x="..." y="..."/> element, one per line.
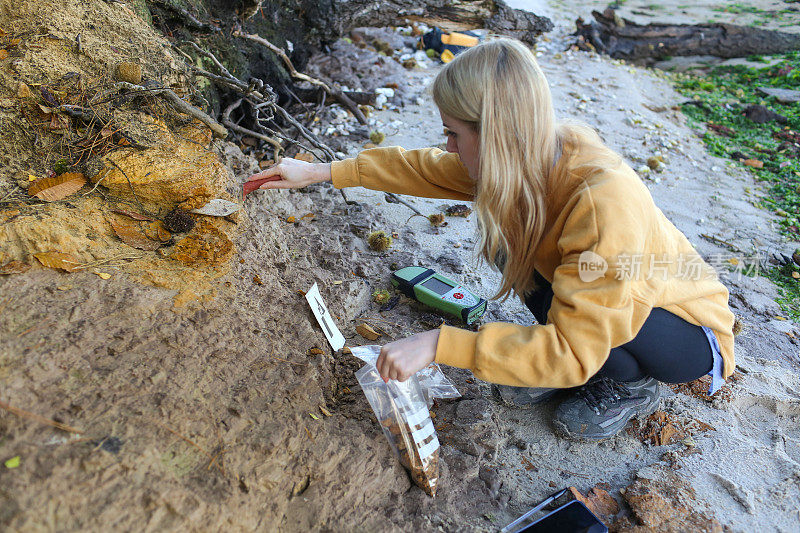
<point x="426" y="172"/>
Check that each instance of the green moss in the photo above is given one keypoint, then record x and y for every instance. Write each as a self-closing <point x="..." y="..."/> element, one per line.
<point x="140" y="8"/>
<point x="722" y="96"/>
<point x="788" y="289"/>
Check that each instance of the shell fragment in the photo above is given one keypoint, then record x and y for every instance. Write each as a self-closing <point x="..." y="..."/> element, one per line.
<point x="217" y="208"/>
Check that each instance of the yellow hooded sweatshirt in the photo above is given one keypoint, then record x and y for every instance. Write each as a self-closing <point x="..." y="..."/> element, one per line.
<point x="604" y="209"/>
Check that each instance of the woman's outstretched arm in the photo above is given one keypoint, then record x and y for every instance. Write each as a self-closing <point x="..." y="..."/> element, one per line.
<point x="426" y="172"/>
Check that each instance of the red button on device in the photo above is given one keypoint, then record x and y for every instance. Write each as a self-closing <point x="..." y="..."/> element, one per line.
<point x="458" y="296"/>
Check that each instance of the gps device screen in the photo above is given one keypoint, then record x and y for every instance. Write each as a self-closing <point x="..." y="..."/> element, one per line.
<point x="437" y="286"/>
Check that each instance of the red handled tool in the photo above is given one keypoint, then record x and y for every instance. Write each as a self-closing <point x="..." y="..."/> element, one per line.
<point x="250" y="186"/>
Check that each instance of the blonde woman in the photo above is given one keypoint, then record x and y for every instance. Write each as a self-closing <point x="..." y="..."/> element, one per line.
<point x="621" y="298"/>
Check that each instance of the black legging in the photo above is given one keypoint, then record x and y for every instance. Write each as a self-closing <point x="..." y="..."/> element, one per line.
<point x="666" y="348"/>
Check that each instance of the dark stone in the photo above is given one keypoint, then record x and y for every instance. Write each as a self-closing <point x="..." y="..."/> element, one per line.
<point x="108" y="444"/>
<point x="762" y="114"/>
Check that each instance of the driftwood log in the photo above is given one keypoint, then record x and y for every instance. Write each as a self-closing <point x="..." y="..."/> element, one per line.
<point x="493" y="15"/>
<point x="622" y="39"/>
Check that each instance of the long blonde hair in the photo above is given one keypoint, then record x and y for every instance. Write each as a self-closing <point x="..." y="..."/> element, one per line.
<point x="499" y="88"/>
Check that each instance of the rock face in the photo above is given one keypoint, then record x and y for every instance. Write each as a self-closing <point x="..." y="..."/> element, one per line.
<point x="175" y="170"/>
<point x="664" y="502"/>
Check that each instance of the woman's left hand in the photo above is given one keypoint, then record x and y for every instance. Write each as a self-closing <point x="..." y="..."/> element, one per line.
<point x="402" y="359"/>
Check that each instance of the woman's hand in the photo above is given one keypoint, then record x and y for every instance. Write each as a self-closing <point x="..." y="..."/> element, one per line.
<point x="294" y="174"/>
<point x="402" y="359"/>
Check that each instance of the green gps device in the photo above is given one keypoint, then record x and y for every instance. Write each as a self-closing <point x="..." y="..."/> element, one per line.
<point x="431" y="288"/>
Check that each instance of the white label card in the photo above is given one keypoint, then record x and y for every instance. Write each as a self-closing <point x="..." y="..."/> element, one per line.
<point x="332" y="333"/>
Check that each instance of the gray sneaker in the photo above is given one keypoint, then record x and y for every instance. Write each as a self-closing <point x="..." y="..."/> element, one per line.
<point x="521" y="397"/>
<point x="602" y="407"/>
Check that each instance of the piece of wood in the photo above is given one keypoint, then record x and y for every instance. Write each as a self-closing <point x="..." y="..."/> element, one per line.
<point x="623" y="39"/>
<point x="314" y="94"/>
<point x="450" y="15"/>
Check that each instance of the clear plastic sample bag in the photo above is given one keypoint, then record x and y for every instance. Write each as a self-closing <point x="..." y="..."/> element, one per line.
<point x="432" y="380"/>
<point x="402" y="410"/>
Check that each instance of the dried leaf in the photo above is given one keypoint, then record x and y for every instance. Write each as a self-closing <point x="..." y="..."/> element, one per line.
<point x="290" y="220"/>
<point x="14" y="267"/>
<point x="367" y="332"/>
<point x="58" y="123"/>
<point x="131" y="235"/>
<point x="58" y="260"/>
<point x="755" y="163"/>
<point x="3" y="54"/>
<point x="315" y="351"/>
<point x="305" y="156"/>
<point x="309" y="215"/>
<point x="266" y="163"/>
<point x="23" y="91"/>
<point x="48" y="96"/>
<point x="669" y="434"/>
<point x="58" y="187"/>
<point x="598" y="500"/>
<point x="103" y="275"/>
<point x="135" y="216"/>
<point x="325" y="411"/>
<point x="315" y="417"/>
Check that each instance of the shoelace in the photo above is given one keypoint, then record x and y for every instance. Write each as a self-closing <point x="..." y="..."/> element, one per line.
<point x="598" y="394"/>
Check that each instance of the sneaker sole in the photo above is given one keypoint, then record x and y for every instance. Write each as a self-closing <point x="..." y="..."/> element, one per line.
<point x="562" y="431"/>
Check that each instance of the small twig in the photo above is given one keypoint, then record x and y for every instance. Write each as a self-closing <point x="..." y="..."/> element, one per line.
<point x="226" y="119"/>
<point x="96" y="184"/>
<point x="35" y="326"/>
<point x="188" y="19"/>
<point x="212" y="57"/>
<point x="306" y="134"/>
<point x="416" y="215"/>
<point x="346" y="200"/>
<point x="141" y="206"/>
<point x="181" y="106"/>
<point x="336" y="93"/>
<point x="394" y="199"/>
<point x="584" y="476"/>
<point x="5" y="303"/>
<point x="37" y="418"/>
<point x="288" y="62"/>
<point x="717" y="240"/>
<point x="99" y="262"/>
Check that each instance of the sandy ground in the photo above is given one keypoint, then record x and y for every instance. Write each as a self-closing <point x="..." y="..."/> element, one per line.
<point x="200" y="418"/>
